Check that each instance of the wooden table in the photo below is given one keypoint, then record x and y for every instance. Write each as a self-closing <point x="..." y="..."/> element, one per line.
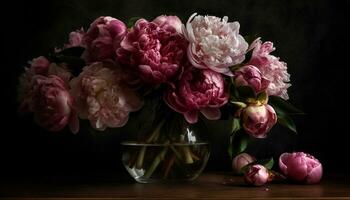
<point x="208" y="186"/>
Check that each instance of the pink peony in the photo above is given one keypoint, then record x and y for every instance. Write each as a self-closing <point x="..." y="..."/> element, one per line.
<point x="40" y="66"/>
<point x="167" y="22"/>
<point x="102" y="98"/>
<point x="301" y="167"/>
<point x="51" y="103"/>
<point x="240" y="161"/>
<point x="156" y="51"/>
<point x="214" y="43"/>
<point x="60" y="70"/>
<point x="250" y="76"/>
<point x="274" y="70"/>
<point x="103" y="38"/>
<point x="198" y="90"/>
<point x="76" y="39"/>
<point x="258" y="120"/>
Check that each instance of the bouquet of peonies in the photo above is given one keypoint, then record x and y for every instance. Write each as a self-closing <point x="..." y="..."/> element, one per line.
<point x="199" y="69"/>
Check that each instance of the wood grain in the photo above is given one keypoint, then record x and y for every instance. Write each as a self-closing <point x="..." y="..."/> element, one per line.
<point x="208" y="186"/>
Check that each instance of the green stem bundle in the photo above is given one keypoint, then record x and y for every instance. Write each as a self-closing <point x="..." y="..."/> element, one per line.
<point x="157" y="160"/>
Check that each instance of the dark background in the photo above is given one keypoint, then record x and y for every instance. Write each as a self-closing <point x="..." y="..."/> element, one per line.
<point x="311" y="36"/>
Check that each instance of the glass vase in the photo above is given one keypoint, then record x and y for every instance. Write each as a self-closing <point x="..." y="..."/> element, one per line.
<point x="171" y="150"/>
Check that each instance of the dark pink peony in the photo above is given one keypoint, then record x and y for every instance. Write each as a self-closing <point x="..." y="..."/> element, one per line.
<point x="102" y="98"/>
<point x="250" y="76"/>
<point x="256" y="175"/>
<point x="198" y="91"/>
<point x="271" y="68"/>
<point x="258" y="120"/>
<point x="155" y="50"/>
<point x="51" y="103"/>
<point x="301" y="167"/>
<point x="103" y="38"/>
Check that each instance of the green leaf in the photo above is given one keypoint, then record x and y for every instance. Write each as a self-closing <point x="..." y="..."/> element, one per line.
<point x="245" y="168"/>
<point x="71" y="60"/>
<point x="283" y="110"/>
<point x="287" y="121"/>
<point x="238" y="143"/>
<point x="239" y="104"/>
<point x="268" y="163"/>
<point x="73" y="51"/>
<point x="284" y="105"/>
<point x="132" y="21"/>
<point x="236" y="125"/>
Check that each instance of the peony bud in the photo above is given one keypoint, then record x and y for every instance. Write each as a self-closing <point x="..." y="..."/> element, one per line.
<point x="250" y="76"/>
<point x="40" y="65"/>
<point x="169" y="21"/>
<point x="256" y="175"/>
<point x="258" y="120"/>
<point x="103" y="38"/>
<point x="240" y="161"/>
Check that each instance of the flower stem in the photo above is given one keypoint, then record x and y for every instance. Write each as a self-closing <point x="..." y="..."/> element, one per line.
<point x="140" y="157"/>
<point x="186" y="150"/>
<point x="177" y="154"/>
<point x="169" y="165"/>
<point x="187" y="153"/>
<point x="150" y="139"/>
<point x="156" y="161"/>
<point x="194" y="156"/>
<point x="155" y="133"/>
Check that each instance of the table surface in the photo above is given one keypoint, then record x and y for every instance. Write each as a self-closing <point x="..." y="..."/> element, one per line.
<point x="208" y="186"/>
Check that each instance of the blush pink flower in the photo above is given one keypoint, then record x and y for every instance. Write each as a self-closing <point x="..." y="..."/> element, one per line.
<point x="258" y="120"/>
<point x="51" y="103"/>
<point x="256" y="175"/>
<point x="301" y="167"/>
<point x="240" y="161"/>
<point x="214" y="43"/>
<point x="251" y="76"/>
<point x="274" y="70"/>
<point x="155" y="50"/>
<point x="198" y="91"/>
<point x="167" y="22"/>
<point x="103" y="38"/>
<point x="102" y="98"/>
